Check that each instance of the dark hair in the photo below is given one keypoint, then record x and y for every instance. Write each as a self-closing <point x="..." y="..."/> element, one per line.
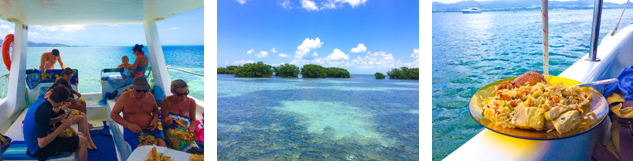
<point x="68" y="71"/>
<point x="55" y="52"/>
<point x="59" y="94"/>
<point x="61" y="82"/>
<point x="179" y="83"/>
<point x="138" y="48"/>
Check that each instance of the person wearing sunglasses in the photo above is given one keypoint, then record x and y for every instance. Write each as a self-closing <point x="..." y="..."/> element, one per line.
<point x="140" y="113"/>
<point x="179" y="115"/>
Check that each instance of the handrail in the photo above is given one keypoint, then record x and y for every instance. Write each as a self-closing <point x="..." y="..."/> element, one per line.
<point x="618" y="24"/>
<point x="595" y="31"/>
<point x="4" y="87"/>
<point x="169" y="67"/>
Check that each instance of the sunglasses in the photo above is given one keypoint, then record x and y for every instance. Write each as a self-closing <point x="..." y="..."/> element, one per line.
<point x="182" y="94"/>
<point x="141" y="91"/>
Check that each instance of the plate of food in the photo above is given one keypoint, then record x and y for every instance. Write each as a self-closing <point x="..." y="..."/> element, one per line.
<point x="73" y="112"/>
<point x="185" y="135"/>
<point x="537" y="107"/>
<point x="147" y="138"/>
<point x="68" y="132"/>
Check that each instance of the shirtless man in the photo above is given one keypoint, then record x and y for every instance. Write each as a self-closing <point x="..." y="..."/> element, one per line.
<point x="140" y="113"/>
<point x="49" y="59"/>
<point x="140" y="62"/>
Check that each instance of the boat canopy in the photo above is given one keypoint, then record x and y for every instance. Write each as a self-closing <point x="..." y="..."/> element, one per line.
<point x="93" y="12"/>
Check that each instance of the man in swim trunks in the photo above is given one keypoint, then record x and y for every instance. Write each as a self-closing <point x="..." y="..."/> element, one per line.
<point x="140" y="113"/>
<point x="43" y="123"/>
<point x="140" y="63"/>
<point x="49" y="59"/>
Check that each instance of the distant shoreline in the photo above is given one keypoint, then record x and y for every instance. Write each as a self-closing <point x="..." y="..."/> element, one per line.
<point x="527" y="9"/>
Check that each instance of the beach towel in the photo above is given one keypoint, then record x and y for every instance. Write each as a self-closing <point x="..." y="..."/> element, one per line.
<point x="105" y="145"/>
<point x="116" y="81"/>
<point x="17" y="151"/>
<point x="171" y="130"/>
<point x="624" y="85"/>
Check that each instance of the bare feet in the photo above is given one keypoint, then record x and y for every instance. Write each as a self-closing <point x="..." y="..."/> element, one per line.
<point x="91" y="145"/>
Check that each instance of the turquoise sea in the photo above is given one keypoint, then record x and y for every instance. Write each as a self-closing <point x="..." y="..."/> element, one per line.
<point x="358" y="118"/>
<point x="90" y="60"/>
<point x="472" y="50"/>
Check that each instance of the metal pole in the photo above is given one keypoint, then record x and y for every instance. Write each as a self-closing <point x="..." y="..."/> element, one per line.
<point x="544" y="25"/>
<point x="595" y="31"/>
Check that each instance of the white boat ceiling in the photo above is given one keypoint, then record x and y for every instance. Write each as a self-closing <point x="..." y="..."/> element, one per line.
<point x="92" y="12"/>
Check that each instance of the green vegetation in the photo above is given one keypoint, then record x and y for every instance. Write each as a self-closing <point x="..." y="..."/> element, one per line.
<point x="317" y="71"/>
<point x="287" y="70"/>
<point x="404" y="73"/>
<point x="313" y="71"/>
<point x="228" y="70"/>
<point x="334" y="72"/>
<point x="258" y="69"/>
<point x="379" y="75"/>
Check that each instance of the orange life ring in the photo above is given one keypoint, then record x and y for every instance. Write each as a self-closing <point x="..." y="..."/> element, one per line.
<point x="5" y="50"/>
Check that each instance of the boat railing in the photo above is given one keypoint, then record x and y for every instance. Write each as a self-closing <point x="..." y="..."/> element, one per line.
<point x="595" y="31"/>
<point x="169" y="67"/>
<point x="4" y="85"/>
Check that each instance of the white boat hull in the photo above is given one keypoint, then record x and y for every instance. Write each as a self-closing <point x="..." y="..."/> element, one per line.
<point x="616" y="53"/>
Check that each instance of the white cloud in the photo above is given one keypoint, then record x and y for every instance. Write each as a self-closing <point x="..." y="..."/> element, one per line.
<point x="276" y="65"/>
<point x="273" y="50"/>
<point x="5" y="26"/>
<point x="333" y="4"/>
<point x="226" y="63"/>
<point x="285" y="4"/>
<point x="353" y="3"/>
<point x="309" y="5"/>
<point x="174" y="28"/>
<point x="241" y="1"/>
<point x="65" y="28"/>
<point x="250" y="51"/>
<point x="336" y="55"/>
<point x="240" y="62"/>
<point x="376" y="60"/>
<point x="416" y="53"/>
<point x="416" y="63"/>
<point x="299" y="62"/>
<point x="319" y="61"/>
<point x="360" y="48"/>
<point x="36" y="35"/>
<point x="315" y="54"/>
<point x="284" y="55"/>
<point x="261" y="54"/>
<point x="306" y="46"/>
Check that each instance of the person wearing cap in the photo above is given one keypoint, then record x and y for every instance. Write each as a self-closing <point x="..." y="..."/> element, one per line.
<point x="140" y="63"/>
<point x="49" y="59"/>
<point x="140" y="113"/>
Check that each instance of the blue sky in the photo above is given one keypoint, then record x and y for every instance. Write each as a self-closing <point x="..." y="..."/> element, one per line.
<point x="362" y="36"/>
<point x="183" y="29"/>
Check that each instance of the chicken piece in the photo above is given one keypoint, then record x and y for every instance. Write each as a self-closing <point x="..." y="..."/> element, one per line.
<point x="567" y="121"/>
<point x="528" y="118"/>
<point x="531" y="77"/>
<point x="504" y="85"/>
<point x="556" y="111"/>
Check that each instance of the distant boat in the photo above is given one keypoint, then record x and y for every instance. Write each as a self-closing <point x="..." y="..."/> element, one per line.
<point x="471" y="10"/>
